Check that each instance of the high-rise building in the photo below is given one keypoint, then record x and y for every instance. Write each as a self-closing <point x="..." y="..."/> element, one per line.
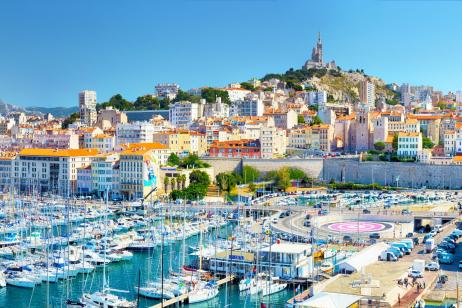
<point x="367" y="92"/>
<point x="87" y="106"/>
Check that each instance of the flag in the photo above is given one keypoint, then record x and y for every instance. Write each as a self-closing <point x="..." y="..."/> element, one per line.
<point x="262" y="305"/>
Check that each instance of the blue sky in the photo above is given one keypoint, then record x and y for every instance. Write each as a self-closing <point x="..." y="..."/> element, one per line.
<point x="50" y="50"/>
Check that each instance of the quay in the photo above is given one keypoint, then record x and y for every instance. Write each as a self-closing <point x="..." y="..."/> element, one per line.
<point x="183" y="299"/>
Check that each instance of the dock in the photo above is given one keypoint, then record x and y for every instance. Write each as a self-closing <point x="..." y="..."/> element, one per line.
<point x="184" y="297"/>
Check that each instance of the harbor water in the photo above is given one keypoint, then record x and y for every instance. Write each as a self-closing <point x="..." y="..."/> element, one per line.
<point x="124" y="276"/>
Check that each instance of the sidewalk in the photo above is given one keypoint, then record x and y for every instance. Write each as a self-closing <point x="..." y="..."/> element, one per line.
<point x="411" y="295"/>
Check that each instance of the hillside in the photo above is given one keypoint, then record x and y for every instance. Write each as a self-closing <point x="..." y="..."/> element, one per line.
<point x="340" y="85"/>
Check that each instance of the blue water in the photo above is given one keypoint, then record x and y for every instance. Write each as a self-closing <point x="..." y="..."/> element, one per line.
<point x="124" y="276"/>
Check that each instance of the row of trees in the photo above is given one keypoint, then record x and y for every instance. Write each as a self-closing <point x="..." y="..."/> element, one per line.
<point x="191" y="161"/>
<point x="175" y="183"/>
<point x="282" y="178"/>
<point x="199" y="182"/>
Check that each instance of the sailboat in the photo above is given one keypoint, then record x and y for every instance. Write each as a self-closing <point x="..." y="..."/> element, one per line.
<point x="104" y="298"/>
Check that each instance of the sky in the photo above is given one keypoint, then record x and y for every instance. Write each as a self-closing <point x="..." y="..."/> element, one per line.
<point x="52" y="49"/>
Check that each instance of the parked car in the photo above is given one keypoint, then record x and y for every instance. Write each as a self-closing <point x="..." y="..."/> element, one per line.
<point x="307" y="223"/>
<point x="374" y="235"/>
<point x="347" y="238"/>
<point x="432" y="266"/>
<point x="323" y="212"/>
<point x="409" y="235"/>
<point x="405" y="212"/>
<point x="438" y="228"/>
<point x="415" y="240"/>
<point x="308" y="216"/>
<point x="415" y="274"/>
<point x="366" y="211"/>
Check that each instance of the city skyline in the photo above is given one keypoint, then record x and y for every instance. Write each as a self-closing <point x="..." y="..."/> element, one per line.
<point x="73" y="45"/>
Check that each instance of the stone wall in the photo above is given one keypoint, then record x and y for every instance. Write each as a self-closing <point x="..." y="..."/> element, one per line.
<point x="412" y="175"/>
<point x="312" y="167"/>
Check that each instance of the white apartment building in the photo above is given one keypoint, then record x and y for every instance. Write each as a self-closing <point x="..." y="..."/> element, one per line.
<point x="247" y="107"/>
<point x="87" y="106"/>
<point x="102" y="142"/>
<point x="105" y="175"/>
<point x="316" y="98"/>
<point x="409" y="144"/>
<point x="367" y="92"/>
<point x="184" y="113"/>
<point x="273" y="142"/>
<point x="408" y="126"/>
<point x="449" y="142"/>
<point x="237" y="94"/>
<point x="459" y="96"/>
<point x="55" y="139"/>
<point x="134" y="132"/>
<point x="50" y="170"/>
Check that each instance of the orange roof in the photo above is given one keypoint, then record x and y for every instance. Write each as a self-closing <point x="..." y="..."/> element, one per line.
<point x="408" y="134"/>
<point x="424" y="116"/>
<point x="59" y="153"/>
<point x="147" y="145"/>
<point x="101" y="136"/>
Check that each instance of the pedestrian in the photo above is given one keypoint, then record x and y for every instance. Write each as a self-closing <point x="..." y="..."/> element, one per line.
<point x="399" y="299"/>
<point x="424" y="284"/>
<point x="418" y="287"/>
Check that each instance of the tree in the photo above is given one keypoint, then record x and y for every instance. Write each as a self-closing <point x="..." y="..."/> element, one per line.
<point x="211" y="94"/>
<point x="70" y="119"/>
<point x="252" y="187"/>
<point x="173" y="160"/>
<point x="283" y="178"/>
<point x="394" y="144"/>
<point x="316" y="120"/>
<point x="226" y="181"/>
<point x="193" y="161"/>
<point x="185" y="96"/>
<point x="250" y="174"/>
<point x="379" y="145"/>
<point x="117" y="102"/>
<point x="172" y="183"/>
<point x="301" y="119"/>
<point x="296" y="174"/>
<point x="198" y="177"/>
<point x="247" y="86"/>
<point x="427" y="143"/>
<point x="183" y="181"/>
<point x="166" y="182"/>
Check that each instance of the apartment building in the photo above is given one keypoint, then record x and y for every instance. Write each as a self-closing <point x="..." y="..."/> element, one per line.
<point x="409" y="144"/>
<point x="273" y="142"/>
<point x="236" y="149"/>
<point x="50" y="170"/>
<point x="183" y="114"/>
<point x="105" y="175"/>
<point x="183" y="141"/>
<point x="136" y="132"/>
<point x="87" y="107"/>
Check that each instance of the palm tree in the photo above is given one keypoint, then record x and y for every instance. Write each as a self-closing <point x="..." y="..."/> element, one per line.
<point x="172" y="183"/>
<point x="183" y="180"/>
<point x="166" y="182"/>
<point x="178" y="183"/>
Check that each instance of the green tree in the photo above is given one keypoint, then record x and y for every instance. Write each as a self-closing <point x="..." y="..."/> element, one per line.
<point x="283" y="178"/>
<point x="379" y="145"/>
<point x="250" y="174"/>
<point x="316" y="120"/>
<point x="185" y="96"/>
<point x="427" y="143"/>
<point x="296" y="173"/>
<point x="210" y="95"/>
<point x="117" y="102"/>
<point x="173" y="160"/>
<point x="70" y="119"/>
<point x="198" y="177"/>
<point x="183" y="181"/>
<point x="252" y="187"/>
<point x="193" y="161"/>
<point x="247" y="86"/>
<point x="394" y="144"/>
<point x="172" y="183"/>
<point x="166" y="182"/>
<point x="226" y="181"/>
<point x="301" y="119"/>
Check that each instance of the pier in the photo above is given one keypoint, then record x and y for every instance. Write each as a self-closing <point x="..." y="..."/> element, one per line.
<point x="184" y="297"/>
